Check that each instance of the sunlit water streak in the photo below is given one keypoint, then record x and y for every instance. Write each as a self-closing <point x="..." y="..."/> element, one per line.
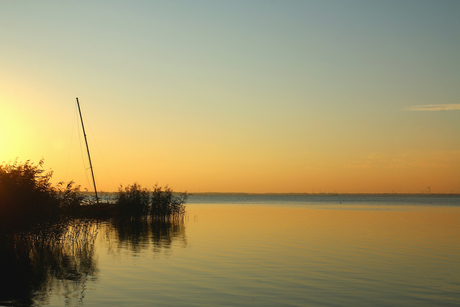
<point x="284" y="251"/>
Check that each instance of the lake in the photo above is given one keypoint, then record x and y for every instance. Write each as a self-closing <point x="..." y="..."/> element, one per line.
<point x="261" y="250"/>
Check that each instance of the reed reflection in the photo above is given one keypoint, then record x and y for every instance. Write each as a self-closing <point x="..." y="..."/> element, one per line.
<point x="141" y="234"/>
<point x="47" y="259"/>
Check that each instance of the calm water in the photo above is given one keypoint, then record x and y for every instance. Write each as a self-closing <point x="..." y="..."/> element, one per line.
<point x="267" y="251"/>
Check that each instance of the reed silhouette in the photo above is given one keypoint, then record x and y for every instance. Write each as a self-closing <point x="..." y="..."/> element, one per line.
<point x="28" y="199"/>
<point x="140" y="234"/>
<point x="137" y="202"/>
<point x="35" y="263"/>
<point x="47" y="232"/>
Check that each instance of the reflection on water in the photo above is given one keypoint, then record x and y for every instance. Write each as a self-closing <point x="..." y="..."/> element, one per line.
<point x="37" y="268"/>
<point x="280" y="254"/>
<point x="318" y="256"/>
<point x="139" y="234"/>
<point x="34" y="265"/>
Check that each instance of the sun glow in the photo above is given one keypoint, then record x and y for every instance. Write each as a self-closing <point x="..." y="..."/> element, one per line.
<point x="18" y="132"/>
<point x="9" y="134"/>
<point x="205" y="104"/>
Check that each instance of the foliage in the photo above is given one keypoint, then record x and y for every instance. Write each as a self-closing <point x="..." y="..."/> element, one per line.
<point x="28" y="200"/>
<point x="26" y="194"/>
<point x="47" y="235"/>
<point x="27" y="197"/>
<point x="134" y="201"/>
<point x="164" y="203"/>
<point x="70" y="198"/>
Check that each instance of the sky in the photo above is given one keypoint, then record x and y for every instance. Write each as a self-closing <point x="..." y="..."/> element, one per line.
<point x="235" y="96"/>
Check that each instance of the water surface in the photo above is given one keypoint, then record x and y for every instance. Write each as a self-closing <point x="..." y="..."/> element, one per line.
<point x="276" y="251"/>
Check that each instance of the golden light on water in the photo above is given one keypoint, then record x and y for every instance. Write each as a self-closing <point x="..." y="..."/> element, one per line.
<point x="325" y="253"/>
<point x="255" y="97"/>
<point x="379" y="241"/>
<point x="270" y="250"/>
<point x="364" y="223"/>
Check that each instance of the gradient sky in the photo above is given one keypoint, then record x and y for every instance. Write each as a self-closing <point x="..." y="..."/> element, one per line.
<point x="236" y="96"/>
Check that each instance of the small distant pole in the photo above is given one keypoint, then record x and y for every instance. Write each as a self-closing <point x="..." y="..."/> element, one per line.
<point x="87" y="149"/>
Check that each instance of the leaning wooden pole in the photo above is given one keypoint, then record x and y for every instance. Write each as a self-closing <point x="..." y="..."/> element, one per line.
<point x="87" y="149"/>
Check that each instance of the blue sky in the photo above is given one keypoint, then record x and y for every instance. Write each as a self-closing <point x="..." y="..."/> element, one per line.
<point x="237" y="96"/>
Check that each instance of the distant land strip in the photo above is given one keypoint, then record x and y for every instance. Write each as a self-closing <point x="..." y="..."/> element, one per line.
<point x="327" y="194"/>
<point x="299" y="194"/>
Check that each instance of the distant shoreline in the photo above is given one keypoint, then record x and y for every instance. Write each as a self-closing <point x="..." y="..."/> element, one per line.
<point x="326" y="194"/>
<point x="299" y="194"/>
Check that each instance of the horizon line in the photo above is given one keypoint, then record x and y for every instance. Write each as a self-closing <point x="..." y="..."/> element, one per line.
<point x="298" y="193"/>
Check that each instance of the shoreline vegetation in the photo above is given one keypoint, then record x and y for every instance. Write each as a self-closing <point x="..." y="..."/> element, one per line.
<point x="29" y="201"/>
<point x="48" y="232"/>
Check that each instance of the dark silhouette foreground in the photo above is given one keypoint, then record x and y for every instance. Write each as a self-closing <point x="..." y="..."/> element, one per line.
<point x="47" y="232"/>
<point x="28" y="199"/>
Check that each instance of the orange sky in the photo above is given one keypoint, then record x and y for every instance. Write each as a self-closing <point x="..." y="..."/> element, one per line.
<point x="236" y="97"/>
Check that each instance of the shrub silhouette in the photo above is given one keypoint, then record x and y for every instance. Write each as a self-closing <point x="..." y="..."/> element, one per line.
<point x="47" y="235"/>
<point x="70" y="198"/>
<point x="134" y="201"/>
<point x="164" y="203"/>
<point x="28" y="200"/>
<point x="26" y="194"/>
<point x="27" y="197"/>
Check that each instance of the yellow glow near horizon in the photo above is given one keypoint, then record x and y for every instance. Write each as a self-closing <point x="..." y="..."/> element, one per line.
<point x="315" y="98"/>
<point x="217" y="167"/>
<point x="12" y="132"/>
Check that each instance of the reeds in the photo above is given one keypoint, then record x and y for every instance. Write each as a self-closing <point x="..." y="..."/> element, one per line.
<point x="47" y="235"/>
<point x="28" y="199"/>
<point x="140" y="234"/>
<point x="44" y="258"/>
<point x="134" y="201"/>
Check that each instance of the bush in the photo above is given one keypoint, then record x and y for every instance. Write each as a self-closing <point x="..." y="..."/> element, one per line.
<point x="164" y="203"/>
<point x="27" y="200"/>
<point x="27" y="197"/>
<point x="70" y="198"/>
<point x="134" y="201"/>
<point x="26" y="194"/>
